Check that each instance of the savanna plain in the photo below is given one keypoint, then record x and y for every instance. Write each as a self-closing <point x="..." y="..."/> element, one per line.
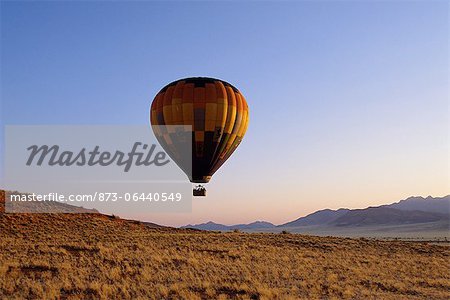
<point x="94" y="256"/>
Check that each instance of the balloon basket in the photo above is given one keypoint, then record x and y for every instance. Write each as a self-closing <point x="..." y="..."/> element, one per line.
<point x="199" y="191"/>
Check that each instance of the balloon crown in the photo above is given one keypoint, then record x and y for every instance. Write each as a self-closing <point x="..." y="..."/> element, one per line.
<point x="199" y="82"/>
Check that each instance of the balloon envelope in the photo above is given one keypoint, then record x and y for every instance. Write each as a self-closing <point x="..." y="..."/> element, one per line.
<point x="211" y="111"/>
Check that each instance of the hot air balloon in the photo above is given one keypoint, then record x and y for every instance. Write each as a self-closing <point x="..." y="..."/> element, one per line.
<point x="212" y="112"/>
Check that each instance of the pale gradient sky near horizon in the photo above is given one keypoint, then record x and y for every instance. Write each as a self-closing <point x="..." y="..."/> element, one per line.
<point x="349" y="101"/>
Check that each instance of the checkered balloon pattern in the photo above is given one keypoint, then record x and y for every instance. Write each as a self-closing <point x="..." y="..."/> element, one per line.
<point x="210" y="111"/>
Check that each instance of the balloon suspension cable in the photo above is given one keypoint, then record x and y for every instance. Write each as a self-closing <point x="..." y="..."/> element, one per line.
<point x="199" y="190"/>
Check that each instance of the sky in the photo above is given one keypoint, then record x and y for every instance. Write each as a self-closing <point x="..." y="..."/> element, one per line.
<point x="349" y="101"/>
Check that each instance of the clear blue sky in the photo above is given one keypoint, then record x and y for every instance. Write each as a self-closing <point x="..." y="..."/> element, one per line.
<point x="349" y="101"/>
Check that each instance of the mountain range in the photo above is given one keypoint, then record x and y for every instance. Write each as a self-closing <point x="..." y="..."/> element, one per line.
<point x="413" y="210"/>
<point x="220" y="227"/>
<point x="414" y="217"/>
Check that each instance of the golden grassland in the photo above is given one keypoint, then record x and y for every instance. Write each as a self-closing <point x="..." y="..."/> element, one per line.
<point x="91" y="256"/>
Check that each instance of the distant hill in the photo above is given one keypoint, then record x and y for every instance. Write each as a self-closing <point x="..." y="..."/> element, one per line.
<point x="208" y="226"/>
<point x="385" y="215"/>
<point x="220" y="227"/>
<point x="320" y="217"/>
<point x="430" y="204"/>
<point x="413" y="210"/>
<point x="396" y="213"/>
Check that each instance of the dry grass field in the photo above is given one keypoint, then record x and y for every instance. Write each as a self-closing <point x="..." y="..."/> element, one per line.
<point x="91" y="256"/>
